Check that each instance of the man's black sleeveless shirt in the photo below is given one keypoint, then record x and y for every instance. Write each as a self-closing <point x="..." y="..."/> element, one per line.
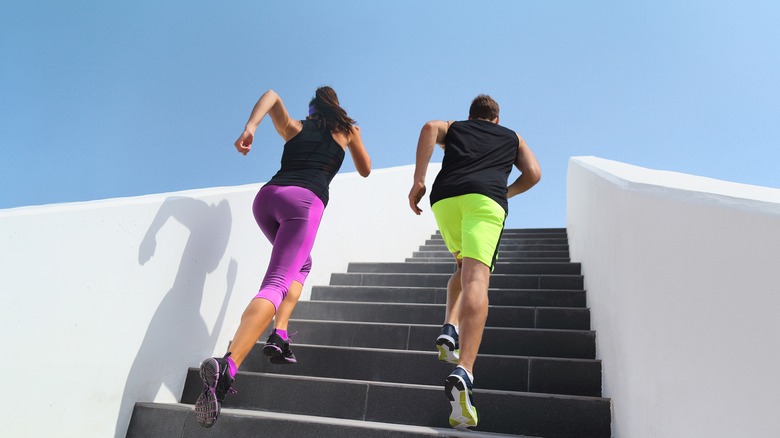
<point x="310" y="160"/>
<point x="478" y="158"/>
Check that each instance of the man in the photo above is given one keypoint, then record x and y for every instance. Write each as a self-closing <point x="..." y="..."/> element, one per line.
<point x="469" y="201"/>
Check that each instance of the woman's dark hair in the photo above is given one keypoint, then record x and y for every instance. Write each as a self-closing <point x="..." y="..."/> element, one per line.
<point x="327" y="112"/>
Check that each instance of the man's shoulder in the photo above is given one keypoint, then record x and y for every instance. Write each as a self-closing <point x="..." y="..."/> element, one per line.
<point x="483" y="125"/>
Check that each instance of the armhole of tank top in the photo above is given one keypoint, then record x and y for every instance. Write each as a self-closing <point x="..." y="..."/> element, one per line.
<point x="446" y="134"/>
<point x="343" y="148"/>
<point x="303" y="126"/>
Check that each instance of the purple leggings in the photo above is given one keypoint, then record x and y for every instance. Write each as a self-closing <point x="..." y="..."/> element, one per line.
<point x="289" y="216"/>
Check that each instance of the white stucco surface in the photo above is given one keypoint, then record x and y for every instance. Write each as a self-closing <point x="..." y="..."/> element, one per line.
<point x="108" y="302"/>
<point x="681" y="276"/>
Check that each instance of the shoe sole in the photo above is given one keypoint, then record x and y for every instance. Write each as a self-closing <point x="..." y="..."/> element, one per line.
<point x="447" y="351"/>
<point x="276" y="355"/>
<point x="207" y="406"/>
<point x="271" y="350"/>
<point x="282" y="360"/>
<point x="464" y="414"/>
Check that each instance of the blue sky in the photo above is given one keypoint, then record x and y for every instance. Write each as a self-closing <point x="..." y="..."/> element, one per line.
<point x="109" y="99"/>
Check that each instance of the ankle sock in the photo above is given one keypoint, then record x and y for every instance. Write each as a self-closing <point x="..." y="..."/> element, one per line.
<point x="232" y="368"/>
<point x="471" y="376"/>
<point x="282" y="333"/>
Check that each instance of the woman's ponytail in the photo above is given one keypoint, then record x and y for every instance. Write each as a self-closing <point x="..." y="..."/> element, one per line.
<point x="327" y="112"/>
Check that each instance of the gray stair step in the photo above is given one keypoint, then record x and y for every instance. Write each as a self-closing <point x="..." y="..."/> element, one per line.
<point x="546" y="415"/>
<point x="177" y="420"/>
<point x="448" y="258"/>
<point x="434" y="295"/>
<point x="505" y="240"/>
<point x="502" y="255"/>
<point x="448" y="267"/>
<point x="573" y="344"/>
<point x="536" y="230"/>
<point x="498" y="316"/>
<point x="529" y="231"/>
<point x="507" y="281"/>
<point x="368" y="367"/>
<point x="509" y="373"/>
<point x="505" y="247"/>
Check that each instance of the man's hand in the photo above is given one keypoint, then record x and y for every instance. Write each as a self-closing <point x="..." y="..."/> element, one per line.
<point x="415" y="196"/>
<point x="244" y="142"/>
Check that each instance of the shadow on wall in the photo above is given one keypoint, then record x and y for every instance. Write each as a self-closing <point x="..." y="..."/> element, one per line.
<point x="177" y="332"/>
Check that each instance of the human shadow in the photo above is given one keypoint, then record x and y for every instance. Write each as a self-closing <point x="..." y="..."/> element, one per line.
<point x="177" y="333"/>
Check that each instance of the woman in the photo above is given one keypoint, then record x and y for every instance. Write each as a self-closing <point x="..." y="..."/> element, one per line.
<point x="288" y="210"/>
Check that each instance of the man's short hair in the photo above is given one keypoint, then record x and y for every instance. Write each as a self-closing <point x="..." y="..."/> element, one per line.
<point x="483" y="107"/>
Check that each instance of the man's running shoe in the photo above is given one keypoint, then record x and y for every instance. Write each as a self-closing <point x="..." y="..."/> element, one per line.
<point x="447" y="344"/>
<point x="458" y="389"/>
<point x="216" y="383"/>
<point x="278" y="350"/>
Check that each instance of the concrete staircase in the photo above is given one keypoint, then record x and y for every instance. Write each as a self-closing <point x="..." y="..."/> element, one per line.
<point x="367" y="365"/>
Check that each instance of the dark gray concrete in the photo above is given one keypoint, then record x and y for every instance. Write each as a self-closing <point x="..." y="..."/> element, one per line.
<point x="433" y="295"/>
<point x="367" y="365"/>
<point x="447" y="257"/>
<point x="502" y="255"/>
<point x="556" y="376"/>
<point x="504" y="281"/>
<point x="422" y="405"/>
<point x="506" y="247"/>
<point x="437" y="240"/>
<point x="575" y="344"/>
<point x="236" y="423"/>
<point x="158" y="420"/>
<point x="498" y="316"/>
<point x="448" y="267"/>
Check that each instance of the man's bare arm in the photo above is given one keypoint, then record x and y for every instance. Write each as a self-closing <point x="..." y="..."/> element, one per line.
<point x="526" y="163"/>
<point x="432" y="133"/>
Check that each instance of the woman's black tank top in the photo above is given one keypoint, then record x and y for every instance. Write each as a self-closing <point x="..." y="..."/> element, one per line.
<point x="310" y="160"/>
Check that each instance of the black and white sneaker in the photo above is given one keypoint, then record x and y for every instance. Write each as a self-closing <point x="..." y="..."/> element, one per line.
<point x="278" y="350"/>
<point x="447" y="344"/>
<point x="458" y="389"/>
<point x="216" y="383"/>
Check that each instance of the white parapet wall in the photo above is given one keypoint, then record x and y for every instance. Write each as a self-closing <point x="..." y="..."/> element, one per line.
<point x="682" y="280"/>
<point x="106" y="303"/>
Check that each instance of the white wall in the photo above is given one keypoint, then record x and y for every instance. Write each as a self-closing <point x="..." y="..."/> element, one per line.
<point x="681" y="276"/>
<point x="106" y="303"/>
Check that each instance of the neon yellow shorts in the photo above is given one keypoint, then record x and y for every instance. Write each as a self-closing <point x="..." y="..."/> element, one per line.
<point x="471" y="226"/>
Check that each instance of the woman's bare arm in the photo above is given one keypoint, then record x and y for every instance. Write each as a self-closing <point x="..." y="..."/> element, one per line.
<point x="269" y="103"/>
<point x="359" y="154"/>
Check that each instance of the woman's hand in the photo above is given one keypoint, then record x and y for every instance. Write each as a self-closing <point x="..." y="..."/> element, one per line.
<point x="244" y="142"/>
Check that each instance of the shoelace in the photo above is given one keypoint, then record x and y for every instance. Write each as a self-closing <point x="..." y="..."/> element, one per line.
<point x="230" y="388"/>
